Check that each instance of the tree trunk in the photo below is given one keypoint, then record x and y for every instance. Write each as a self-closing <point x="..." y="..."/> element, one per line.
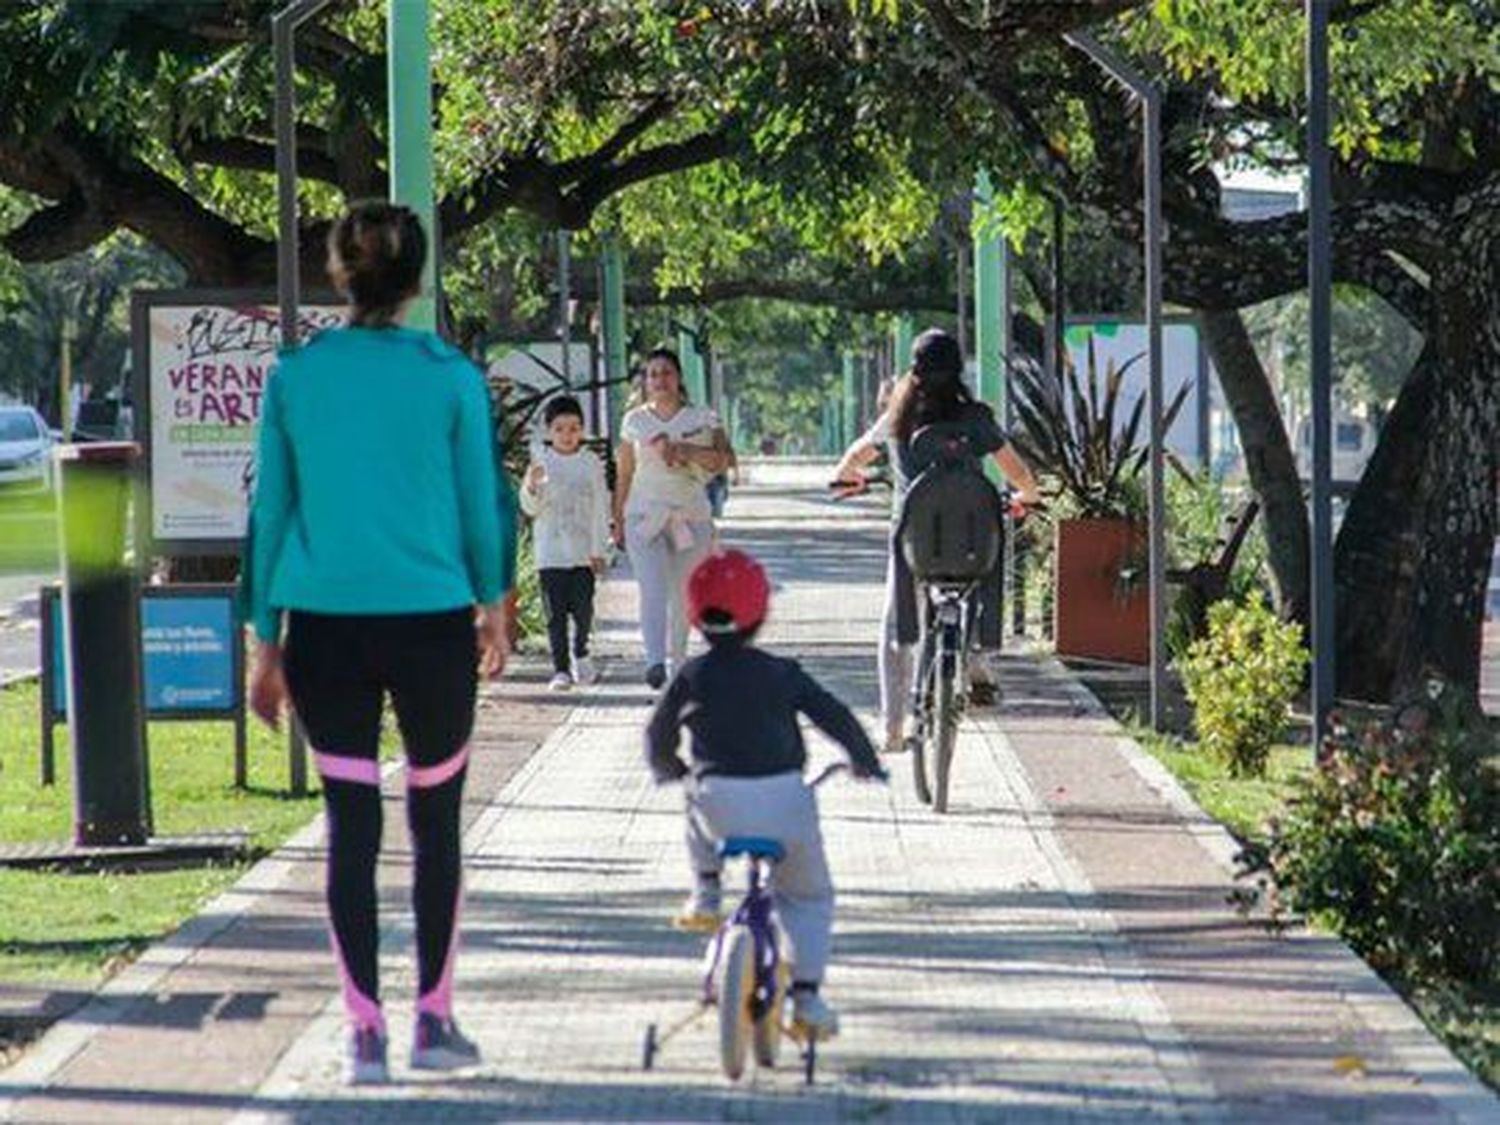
<point x="1413" y="558"/>
<point x="1268" y="455"/>
<point x="1375" y="558"/>
<point x="1457" y="504"/>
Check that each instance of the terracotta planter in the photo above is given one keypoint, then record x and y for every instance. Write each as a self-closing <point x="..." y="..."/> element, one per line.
<point x="1095" y="614"/>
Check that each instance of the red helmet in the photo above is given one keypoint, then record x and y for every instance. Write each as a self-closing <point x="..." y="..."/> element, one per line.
<point x="734" y="584"/>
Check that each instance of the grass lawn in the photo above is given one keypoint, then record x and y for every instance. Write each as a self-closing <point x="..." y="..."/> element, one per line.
<point x="79" y="928"/>
<point x="1241" y="804"/>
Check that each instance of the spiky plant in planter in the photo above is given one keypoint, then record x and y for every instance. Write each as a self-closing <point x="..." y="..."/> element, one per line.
<point x="1079" y="435"/>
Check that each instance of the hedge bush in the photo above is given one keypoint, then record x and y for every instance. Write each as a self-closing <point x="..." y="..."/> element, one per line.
<point x="1241" y="680"/>
<point x="1396" y="843"/>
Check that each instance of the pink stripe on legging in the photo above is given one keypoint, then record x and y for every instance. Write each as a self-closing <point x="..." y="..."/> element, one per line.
<point x="363" y="1012"/>
<point x="426" y="777"/>
<point x="336" y="767"/>
<point x="439" y="1002"/>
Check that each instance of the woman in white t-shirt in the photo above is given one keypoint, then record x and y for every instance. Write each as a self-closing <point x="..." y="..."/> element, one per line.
<point x="668" y="452"/>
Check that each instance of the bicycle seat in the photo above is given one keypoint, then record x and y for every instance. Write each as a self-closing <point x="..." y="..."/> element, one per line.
<point x="756" y="847"/>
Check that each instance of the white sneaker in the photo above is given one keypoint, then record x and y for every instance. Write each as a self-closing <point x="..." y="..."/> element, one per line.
<point x="584" y="671"/>
<point x="814" y="1015"/>
<point x="560" y="682"/>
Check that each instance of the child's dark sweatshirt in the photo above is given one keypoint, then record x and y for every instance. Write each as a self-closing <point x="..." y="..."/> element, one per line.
<point x="741" y="705"/>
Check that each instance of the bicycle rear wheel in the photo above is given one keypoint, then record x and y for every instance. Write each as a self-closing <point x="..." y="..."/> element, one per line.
<point x="944" y="727"/>
<point x="917" y="745"/>
<point x="922" y="710"/>
<point x="736" y="990"/>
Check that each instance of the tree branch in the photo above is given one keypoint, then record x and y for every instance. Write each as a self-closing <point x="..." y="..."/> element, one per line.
<point x="66" y="227"/>
<point x="256" y="156"/>
<point x="657" y="109"/>
<point x="676" y="156"/>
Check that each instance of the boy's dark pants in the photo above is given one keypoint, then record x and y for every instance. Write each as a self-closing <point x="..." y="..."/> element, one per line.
<point x="567" y="592"/>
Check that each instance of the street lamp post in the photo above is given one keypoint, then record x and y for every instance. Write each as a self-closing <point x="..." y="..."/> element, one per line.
<point x="1150" y="100"/>
<point x="1320" y="297"/>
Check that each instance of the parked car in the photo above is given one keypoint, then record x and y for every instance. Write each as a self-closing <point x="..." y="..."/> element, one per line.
<point x="25" y="451"/>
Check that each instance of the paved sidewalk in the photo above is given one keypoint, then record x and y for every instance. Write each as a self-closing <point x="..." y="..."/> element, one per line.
<point x="1057" y="948"/>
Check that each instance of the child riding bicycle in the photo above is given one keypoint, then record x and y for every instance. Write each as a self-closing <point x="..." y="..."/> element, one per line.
<point x="741" y="705"/>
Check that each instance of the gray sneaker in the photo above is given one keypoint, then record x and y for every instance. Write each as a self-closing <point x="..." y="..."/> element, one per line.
<point x="365" y="1064"/>
<point x="439" y="1045"/>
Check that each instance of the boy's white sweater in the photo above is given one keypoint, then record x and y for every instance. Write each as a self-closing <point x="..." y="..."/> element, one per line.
<point x="570" y="509"/>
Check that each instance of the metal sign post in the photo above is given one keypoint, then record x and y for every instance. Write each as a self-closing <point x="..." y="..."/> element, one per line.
<point x="284" y="26"/>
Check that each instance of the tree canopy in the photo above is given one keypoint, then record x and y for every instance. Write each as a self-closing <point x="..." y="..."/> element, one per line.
<point x="810" y="148"/>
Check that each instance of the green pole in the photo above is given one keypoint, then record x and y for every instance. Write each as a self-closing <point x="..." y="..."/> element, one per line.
<point x="989" y="300"/>
<point x="692" y="367"/>
<point x="904" y="332"/>
<point x="849" y="414"/>
<point x="410" y="96"/>
<point x="736" y="421"/>
<point x="616" y="362"/>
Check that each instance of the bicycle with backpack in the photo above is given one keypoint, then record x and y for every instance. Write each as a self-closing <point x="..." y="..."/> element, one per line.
<point x="950" y="533"/>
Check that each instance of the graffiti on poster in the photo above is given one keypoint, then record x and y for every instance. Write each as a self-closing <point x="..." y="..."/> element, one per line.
<point x="208" y="364"/>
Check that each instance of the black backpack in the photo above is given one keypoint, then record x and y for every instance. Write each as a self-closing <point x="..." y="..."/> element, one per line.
<point x="949" y="529"/>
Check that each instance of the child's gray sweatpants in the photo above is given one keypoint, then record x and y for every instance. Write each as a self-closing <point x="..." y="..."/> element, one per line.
<point x="780" y="807"/>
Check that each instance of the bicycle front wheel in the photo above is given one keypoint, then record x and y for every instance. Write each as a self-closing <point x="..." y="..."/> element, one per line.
<point x="736" y="990"/>
<point x="768" y="1027"/>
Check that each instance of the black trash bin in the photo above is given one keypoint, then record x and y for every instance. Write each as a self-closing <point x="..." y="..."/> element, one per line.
<point x="102" y="628"/>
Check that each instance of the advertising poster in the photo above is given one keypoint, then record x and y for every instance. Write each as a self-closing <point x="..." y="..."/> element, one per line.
<point x="205" y="364"/>
<point x="188" y="645"/>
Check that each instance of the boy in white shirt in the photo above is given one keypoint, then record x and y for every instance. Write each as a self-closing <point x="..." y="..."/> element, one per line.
<point x="565" y="495"/>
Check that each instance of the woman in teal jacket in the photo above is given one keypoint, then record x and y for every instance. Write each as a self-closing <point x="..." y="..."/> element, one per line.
<point x="379" y="524"/>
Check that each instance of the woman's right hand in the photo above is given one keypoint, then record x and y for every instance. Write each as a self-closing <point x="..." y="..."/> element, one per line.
<point x="268" y="692"/>
<point x="850" y="481"/>
<point x="493" y="627"/>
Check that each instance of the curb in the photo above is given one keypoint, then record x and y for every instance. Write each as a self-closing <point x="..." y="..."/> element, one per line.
<point x="42" y="1061"/>
<point x="1382" y="1010"/>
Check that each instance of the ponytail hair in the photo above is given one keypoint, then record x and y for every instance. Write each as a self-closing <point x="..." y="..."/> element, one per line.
<point x="375" y="257"/>
<point x="933" y="390"/>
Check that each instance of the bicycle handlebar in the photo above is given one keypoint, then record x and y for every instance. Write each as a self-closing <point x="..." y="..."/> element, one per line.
<point x="826" y="772"/>
<point x="833" y="768"/>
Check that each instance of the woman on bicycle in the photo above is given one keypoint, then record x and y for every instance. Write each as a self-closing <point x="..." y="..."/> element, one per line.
<point x="377" y="544"/>
<point x="932" y="392"/>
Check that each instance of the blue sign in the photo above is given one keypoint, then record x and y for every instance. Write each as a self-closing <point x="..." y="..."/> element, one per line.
<point x="188" y="646"/>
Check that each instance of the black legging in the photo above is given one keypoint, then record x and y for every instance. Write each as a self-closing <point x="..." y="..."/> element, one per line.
<point x="339" y="670"/>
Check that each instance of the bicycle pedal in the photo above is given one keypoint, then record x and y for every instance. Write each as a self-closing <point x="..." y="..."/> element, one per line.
<point x="702" y="923"/>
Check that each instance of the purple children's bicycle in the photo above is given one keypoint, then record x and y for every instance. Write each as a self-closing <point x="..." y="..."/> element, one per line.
<point x="745" y="976"/>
